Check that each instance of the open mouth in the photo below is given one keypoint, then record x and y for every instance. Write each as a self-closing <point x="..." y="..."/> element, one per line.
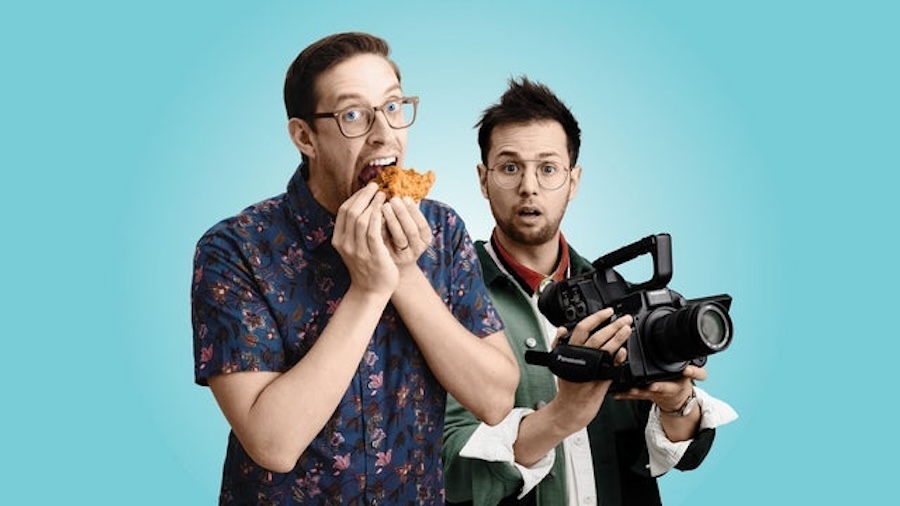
<point x="374" y="167"/>
<point x="529" y="212"/>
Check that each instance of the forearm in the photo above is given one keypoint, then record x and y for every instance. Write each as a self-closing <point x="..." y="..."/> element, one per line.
<point x="288" y="412"/>
<point x="481" y="373"/>
<point x="681" y="428"/>
<point x="539" y="433"/>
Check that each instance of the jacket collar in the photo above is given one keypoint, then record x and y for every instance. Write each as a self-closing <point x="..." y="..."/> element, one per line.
<point x="493" y="273"/>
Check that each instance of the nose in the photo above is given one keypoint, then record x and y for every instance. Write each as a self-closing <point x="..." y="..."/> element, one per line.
<point x="380" y="128"/>
<point x="528" y="185"/>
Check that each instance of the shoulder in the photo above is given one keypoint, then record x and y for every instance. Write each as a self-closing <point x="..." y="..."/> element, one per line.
<point x="253" y="221"/>
<point x="579" y="263"/>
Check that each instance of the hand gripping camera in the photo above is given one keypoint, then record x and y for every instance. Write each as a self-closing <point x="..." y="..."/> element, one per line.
<point x="670" y="332"/>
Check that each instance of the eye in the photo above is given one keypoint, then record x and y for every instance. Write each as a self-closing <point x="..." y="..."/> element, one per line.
<point x="549" y="169"/>
<point x="509" y="168"/>
<point x="392" y="106"/>
<point x="351" y="115"/>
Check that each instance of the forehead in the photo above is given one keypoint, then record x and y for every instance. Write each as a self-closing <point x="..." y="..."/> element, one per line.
<point x="362" y="78"/>
<point x="529" y="141"/>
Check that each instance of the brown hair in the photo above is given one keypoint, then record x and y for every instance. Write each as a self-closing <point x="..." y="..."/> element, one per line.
<point x="300" y="82"/>
<point x="523" y="102"/>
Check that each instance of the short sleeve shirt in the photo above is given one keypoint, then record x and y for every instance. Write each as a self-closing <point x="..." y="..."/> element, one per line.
<point x="265" y="284"/>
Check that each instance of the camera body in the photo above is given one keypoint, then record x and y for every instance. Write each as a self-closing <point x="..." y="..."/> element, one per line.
<point x="669" y="332"/>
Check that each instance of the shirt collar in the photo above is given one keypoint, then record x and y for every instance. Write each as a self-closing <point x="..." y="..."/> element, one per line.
<point x="527" y="278"/>
<point x="315" y="223"/>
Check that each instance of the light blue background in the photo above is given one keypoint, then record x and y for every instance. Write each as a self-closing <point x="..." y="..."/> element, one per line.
<point x="762" y="135"/>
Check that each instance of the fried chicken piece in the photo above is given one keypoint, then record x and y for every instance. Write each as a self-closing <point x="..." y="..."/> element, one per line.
<point x="397" y="182"/>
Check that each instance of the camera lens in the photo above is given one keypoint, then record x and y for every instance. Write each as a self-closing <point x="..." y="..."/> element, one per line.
<point x="691" y="332"/>
<point x="712" y="327"/>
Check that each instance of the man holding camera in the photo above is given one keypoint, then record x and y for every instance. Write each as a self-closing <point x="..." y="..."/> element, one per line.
<point x="565" y="443"/>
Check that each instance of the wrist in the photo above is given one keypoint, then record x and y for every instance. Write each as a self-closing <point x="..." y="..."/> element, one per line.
<point x="568" y="417"/>
<point x="684" y="409"/>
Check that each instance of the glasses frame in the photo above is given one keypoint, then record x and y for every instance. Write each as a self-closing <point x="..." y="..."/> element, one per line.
<point x="336" y="115"/>
<point x="536" y="164"/>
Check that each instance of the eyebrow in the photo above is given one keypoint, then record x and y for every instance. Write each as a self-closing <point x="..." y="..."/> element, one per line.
<point x="356" y="97"/>
<point x="512" y="154"/>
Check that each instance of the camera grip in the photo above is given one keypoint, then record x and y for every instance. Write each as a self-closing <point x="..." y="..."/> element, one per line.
<point x="578" y="364"/>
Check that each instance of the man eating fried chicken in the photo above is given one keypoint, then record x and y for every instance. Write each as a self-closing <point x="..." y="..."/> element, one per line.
<point x="331" y="321"/>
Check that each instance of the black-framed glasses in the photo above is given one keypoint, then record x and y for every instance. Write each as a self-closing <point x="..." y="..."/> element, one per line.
<point x="509" y="173"/>
<point x="357" y="120"/>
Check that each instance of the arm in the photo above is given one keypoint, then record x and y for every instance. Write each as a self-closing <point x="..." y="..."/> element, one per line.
<point x="276" y="415"/>
<point x="480" y="372"/>
<point x="486" y="464"/>
<point x="680" y="441"/>
<point x="669" y="396"/>
<point x="482" y="479"/>
<point x="575" y="404"/>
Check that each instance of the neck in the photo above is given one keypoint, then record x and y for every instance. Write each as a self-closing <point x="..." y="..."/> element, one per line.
<point x="542" y="258"/>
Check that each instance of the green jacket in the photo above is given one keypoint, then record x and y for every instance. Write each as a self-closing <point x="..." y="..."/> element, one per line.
<point x="618" y="448"/>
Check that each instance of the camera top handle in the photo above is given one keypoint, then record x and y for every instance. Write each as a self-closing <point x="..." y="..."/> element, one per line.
<point x="660" y="248"/>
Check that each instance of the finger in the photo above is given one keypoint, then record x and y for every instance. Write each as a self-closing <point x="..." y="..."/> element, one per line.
<point x="361" y="229"/>
<point x="350" y="209"/>
<point x="617" y="340"/>
<point x="395" y="228"/>
<point x="404" y="216"/>
<point x="421" y="222"/>
<point x="582" y="330"/>
<point x="364" y="222"/>
<point x="620" y="356"/>
<point x="611" y="336"/>
<point x="696" y="373"/>
<point x="375" y="230"/>
<point x="665" y="388"/>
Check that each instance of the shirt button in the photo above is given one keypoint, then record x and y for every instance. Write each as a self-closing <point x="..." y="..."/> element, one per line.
<point x="579" y="440"/>
<point x="531" y="342"/>
<point x="588" y="499"/>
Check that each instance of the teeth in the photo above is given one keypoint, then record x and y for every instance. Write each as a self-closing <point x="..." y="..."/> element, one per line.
<point x="384" y="161"/>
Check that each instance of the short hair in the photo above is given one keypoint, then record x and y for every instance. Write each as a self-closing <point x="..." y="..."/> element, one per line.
<point x="523" y="102"/>
<point x="300" y="82"/>
<point x="300" y="98"/>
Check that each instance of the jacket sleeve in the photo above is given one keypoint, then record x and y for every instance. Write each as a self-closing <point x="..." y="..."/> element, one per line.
<point x="697" y="451"/>
<point x="465" y="479"/>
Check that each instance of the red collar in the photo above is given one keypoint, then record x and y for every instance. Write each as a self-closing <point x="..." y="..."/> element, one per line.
<point x="529" y="279"/>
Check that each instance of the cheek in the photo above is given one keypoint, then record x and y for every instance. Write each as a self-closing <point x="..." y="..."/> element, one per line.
<point x="561" y="204"/>
<point x="402" y="136"/>
<point x="504" y="204"/>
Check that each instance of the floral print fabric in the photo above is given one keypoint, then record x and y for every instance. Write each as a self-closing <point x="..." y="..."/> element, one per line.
<point x="265" y="284"/>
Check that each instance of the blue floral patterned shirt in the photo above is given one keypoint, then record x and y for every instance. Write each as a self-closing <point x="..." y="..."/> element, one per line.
<point x="265" y="284"/>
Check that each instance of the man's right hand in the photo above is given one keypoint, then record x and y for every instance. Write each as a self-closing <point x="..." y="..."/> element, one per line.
<point x="575" y="404"/>
<point x="578" y="403"/>
<point x="359" y="239"/>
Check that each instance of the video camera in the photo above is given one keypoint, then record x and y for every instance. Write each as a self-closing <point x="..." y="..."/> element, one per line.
<point x="669" y="332"/>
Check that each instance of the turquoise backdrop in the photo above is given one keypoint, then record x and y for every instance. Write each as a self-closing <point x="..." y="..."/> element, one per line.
<point x="762" y="135"/>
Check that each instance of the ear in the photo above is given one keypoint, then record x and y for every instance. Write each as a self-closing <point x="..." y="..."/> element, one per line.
<point x="303" y="136"/>
<point x="574" y="180"/>
<point x="482" y="179"/>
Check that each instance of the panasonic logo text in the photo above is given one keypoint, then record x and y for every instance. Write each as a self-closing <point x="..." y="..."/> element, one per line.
<point x="578" y="361"/>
